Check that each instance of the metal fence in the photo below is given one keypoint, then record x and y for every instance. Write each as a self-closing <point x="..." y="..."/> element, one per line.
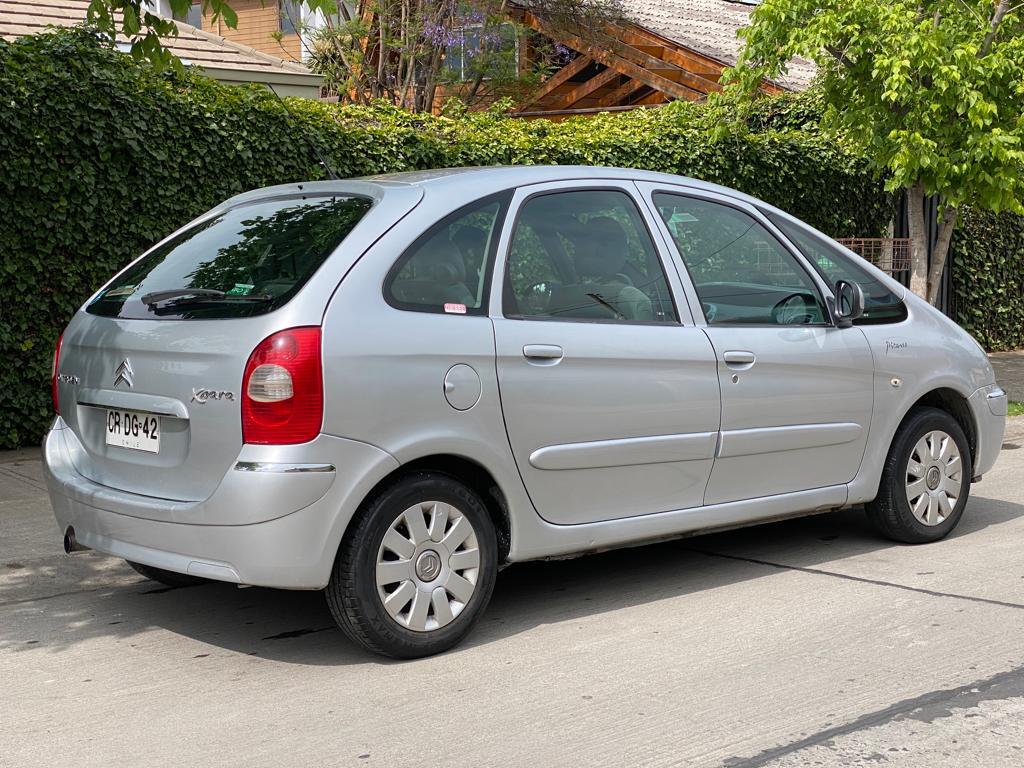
<point x="889" y="254"/>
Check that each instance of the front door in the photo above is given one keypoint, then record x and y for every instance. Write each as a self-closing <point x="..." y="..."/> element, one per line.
<point x="609" y="392"/>
<point x="796" y="390"/>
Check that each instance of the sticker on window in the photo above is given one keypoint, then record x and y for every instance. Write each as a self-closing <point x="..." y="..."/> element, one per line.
<point x="455" y="309"/>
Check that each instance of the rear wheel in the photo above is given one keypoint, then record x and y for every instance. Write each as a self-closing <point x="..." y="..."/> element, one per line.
<point x="926" y="479"/>
<point x="167" y="578"/>
<point x="417" y="570"/>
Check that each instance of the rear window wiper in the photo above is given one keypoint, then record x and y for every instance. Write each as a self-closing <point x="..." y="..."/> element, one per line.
<point x="155" y="297"/>
<point x="198" y="295"/>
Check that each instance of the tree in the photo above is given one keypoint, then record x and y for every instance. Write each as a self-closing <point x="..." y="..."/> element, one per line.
<point x="408" y="51"/>
<point x="931" y="92"/>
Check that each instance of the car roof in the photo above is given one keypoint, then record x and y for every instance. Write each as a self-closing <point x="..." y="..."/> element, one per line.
<point x="504" y="176"/>
<point x="483" y="180"/>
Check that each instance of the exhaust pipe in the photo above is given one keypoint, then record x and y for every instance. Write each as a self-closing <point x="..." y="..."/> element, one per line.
<point x="71" y="544"/>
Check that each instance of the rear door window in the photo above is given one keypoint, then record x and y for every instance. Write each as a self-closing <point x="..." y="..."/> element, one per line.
<point x="585" y="255"/>
<point x="248" y="260"/>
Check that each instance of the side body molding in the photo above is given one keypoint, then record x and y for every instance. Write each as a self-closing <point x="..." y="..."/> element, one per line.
<point x="750" y="442"/>
<point x="626" y="451"/>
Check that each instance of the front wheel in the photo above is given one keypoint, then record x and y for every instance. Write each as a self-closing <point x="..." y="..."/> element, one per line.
<point x="926" y="479"/>
<point x="417" y="570"/>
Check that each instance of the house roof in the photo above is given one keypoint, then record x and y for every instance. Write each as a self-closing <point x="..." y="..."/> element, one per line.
<point x="220" y="58"/>
<point x="708" y="27"/>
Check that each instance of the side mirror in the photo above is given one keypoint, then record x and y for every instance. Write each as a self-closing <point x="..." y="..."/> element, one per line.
<point x="849" y="303"/>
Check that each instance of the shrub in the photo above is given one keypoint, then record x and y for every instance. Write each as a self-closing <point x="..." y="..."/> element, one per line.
<point x="101" y="156"/>
<point x="988" y="277"/>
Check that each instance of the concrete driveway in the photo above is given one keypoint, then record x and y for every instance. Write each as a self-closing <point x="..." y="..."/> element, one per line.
<point x="810" y="642"/>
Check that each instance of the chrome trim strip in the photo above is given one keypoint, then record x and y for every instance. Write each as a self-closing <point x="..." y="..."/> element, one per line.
<point x="151" y="411"/>
<point x="266" y="466"/>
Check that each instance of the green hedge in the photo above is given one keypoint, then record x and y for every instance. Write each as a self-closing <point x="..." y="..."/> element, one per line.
<point x="988" y="277"/>
<point x="100" y="157"/>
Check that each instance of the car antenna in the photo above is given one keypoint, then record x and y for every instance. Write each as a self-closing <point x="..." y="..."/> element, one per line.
<point x="316" y="149"/>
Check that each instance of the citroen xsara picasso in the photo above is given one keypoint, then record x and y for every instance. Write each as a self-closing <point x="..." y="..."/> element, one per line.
<point x="389" y="388"/>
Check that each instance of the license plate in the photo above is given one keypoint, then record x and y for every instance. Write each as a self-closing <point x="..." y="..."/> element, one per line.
<point x="134" y="430"/>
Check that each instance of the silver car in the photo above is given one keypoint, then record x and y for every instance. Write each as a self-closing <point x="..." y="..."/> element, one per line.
<point x="390" y="388"/>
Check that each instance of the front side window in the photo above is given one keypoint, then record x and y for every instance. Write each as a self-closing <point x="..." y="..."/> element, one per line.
<point x="881" y="305"/>
<point x="585" y="255"/>
<point x="245" y="261"/>
<point x="447" y="269"/>
<point x="741" y="272"/>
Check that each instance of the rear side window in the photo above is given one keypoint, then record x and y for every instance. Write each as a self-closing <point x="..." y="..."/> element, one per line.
<point x="249" y="260"/>
<point x="449" y="267"/>
<point x="881" y="305"/>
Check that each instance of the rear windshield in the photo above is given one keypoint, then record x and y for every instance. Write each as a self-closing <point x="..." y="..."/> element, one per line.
<point x="247" y="261"/>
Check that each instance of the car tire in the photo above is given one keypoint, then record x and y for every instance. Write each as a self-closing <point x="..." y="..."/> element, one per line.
<point x="926" y="480"/>
<point x="417" y="568"/>
<point x="167" y="578"/>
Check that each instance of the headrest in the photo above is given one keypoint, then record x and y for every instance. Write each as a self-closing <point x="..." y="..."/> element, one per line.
<point x="601" y="248"/>
<point x="439" y="260"/>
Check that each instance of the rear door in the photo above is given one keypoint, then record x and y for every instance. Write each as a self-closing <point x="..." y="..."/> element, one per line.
<point x="609" y="392"/>
<point x="796" y="390"/>
<point x="175" y="365"/>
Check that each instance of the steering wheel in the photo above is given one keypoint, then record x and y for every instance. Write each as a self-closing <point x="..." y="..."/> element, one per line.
<point x="537" y="296"/>
<point x="794" y="309"/>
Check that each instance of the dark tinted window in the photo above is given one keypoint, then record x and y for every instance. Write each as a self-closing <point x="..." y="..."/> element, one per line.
<point x="585" y="255"/>
<point x="259" y="255"/>
<point x="447" y="269"/>
<point x="741" y="272"/>
<point x="881" y="305"/>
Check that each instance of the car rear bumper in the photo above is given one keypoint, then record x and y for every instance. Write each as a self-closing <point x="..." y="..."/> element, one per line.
<point x="989" y="405"/>
<point x="275" y="520"/>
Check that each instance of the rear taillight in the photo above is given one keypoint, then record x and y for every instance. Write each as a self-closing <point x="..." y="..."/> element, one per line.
<point x="53" y="375"/>
<point x="283" y="389"/>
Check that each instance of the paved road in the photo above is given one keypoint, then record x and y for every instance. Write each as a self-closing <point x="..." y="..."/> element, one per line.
<point x="1009" y="367"/>
<point x="808" y="642"/>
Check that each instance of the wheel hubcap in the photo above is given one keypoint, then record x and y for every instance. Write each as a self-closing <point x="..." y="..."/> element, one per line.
<point x="427" y="566"/>
<point x="934" y="477"/>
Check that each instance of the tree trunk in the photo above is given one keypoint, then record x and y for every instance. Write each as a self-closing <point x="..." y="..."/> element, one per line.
<point x="918" y="240"/>
<point x="939" y="254"/>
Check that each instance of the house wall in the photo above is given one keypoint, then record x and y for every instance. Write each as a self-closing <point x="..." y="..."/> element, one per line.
<point x="257" y="24"/>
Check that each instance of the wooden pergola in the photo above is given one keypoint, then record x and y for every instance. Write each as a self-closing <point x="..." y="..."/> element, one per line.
<point x="625" y="66"/>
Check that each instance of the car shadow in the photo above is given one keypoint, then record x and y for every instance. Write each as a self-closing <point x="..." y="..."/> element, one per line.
<point x="296" y="627"/>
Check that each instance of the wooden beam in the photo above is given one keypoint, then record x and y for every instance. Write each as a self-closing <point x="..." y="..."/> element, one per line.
<point x="680" y="55"/>
<point x="561" y="77"/>
<point x="655" y="97"/>
<point x="635" y="63"/>
<point x="623" y="92"/>
<point x="583" y="90"/>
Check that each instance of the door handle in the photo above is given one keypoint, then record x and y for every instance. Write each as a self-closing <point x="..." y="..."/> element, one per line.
<point x="736" y="358"/>
<point x="546" y="353"/>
